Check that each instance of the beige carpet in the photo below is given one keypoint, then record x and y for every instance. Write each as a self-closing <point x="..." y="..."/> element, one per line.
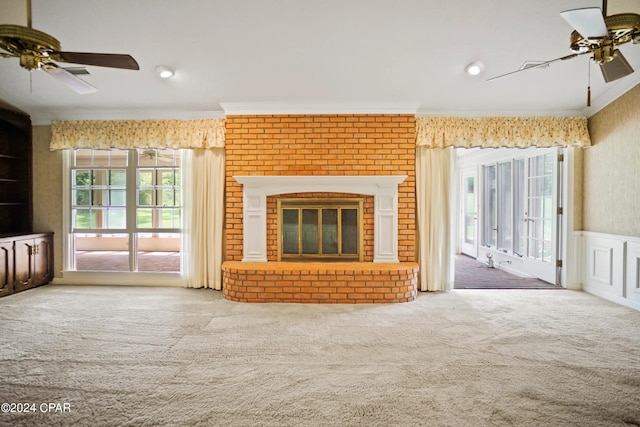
<point x="177" y="357"/>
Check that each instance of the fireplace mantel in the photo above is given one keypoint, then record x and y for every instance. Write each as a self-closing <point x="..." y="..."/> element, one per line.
<point x="383" y="188"/>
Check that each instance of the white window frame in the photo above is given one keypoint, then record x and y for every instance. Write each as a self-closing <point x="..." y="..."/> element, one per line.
<point x="137" y="278"/>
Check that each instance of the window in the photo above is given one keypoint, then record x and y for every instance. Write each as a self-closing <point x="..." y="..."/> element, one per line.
<point x="327" y="229"/>
<point x="125" y="210"/>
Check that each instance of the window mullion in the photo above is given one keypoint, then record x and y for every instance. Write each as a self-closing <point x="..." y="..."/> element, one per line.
<point x="131" y="209"/>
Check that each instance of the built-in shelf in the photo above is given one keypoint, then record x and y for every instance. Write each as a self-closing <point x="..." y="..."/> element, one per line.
<point x="7" y="156"/>
<point x="15" y="173"/>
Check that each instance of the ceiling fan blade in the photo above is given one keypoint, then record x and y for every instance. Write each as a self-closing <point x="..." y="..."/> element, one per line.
<point x="615" y="69"/>
<point x="588" y="22"/>
<point x="542" y="64"/>
<point x="112" y="60"/>
<point x="69" y="79"/>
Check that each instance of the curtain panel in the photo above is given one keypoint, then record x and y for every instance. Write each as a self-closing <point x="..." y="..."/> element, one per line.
<point x="494" y="132"/>
<point x="435" y="202"/>
<point x="203" y="216"/>
<point x="128" y="134"/>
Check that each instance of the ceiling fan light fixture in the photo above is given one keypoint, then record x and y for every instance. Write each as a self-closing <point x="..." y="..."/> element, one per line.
<point x="165" y="72"/>
<point x="474" y="68"/>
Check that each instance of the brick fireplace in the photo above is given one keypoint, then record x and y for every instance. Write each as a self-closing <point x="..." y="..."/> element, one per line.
<point x="368" y="156"/>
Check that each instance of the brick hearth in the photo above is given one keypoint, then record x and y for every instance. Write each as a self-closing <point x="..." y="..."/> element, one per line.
<point x="316" y="282"/>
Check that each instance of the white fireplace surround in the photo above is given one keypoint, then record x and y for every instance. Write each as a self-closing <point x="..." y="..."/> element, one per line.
<point x="384" y="189"/>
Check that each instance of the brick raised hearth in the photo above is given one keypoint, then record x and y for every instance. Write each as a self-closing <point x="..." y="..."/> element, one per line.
<point x="316" y="282"/>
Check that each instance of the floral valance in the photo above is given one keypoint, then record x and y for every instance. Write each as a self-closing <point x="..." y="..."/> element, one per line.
<point x="494" y="132"/>
<point x="126" y="134"/>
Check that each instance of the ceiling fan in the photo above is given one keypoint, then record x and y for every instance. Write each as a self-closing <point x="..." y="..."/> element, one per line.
<point x="38" y="50"/>
<point x="598" y="35"/>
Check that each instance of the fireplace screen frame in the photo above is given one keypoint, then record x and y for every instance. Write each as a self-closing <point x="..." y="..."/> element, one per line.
<point x="319" y="204"/>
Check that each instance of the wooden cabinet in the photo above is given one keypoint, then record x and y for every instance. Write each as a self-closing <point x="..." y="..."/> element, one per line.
<point x="26" y="262"/>
<point x="33" y="261"/>
<point x="6" y="268"/>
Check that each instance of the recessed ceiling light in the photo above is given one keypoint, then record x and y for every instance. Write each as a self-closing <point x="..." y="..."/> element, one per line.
<point x="474" y="68"/>
<point x="164" y="71"/>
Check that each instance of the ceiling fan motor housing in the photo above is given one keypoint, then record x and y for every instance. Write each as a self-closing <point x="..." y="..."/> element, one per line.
<point x="31" y="46"/>
<point x="623" y="28"/>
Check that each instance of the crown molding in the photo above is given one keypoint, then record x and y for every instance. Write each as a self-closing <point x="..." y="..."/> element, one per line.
<point x="279" y="108"/>
<point x="500" y="113"/>
<point x="614" y="92"/>
<point x="46" y="117"/>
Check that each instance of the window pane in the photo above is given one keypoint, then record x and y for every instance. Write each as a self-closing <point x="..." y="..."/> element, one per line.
<point x="309" y="231"/>
<point x="505" y="209"/>
<point x="147" y="157"/>
<point x="329" y="231"/>
<point x="145" y="198"/>
<point x="83" y="157"/>
<point x="118" y="178"/>
<point x="490" y="206"/>
<point x="83" y="178"/>
<point x="159" y="252"/>
<point x="99" y="197"/>
<point x="145" y="177"/>
<point x="101" y="252"/>
<point x="118" y="157"/>
<point x="82" y="198"/>
<point x="145" y="218"/>
<point x="168" y="198"/>
<point x="100" y="158"/>
<point x="469" y="210"/>
<point x="290" y="231"/>
<point x="520" y="232"/>
<point x="349" y="228"/>
<point x="82" y="218"/>
<point x="117" y="218"/>
<point x="167" y="177"/>
<point x="117" y="198"/>
<point x="167" y="219"/>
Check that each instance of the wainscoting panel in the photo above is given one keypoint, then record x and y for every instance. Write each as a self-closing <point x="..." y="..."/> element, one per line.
<point x="612" y="267"/>
<point x="632" y="290"/>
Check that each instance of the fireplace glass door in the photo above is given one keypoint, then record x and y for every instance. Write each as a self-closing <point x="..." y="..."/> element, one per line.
<point x="320" y="229"/>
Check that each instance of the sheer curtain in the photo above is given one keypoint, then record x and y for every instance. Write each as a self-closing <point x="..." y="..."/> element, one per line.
<point x="435" y="187"/>
<point x="203" y="214"/>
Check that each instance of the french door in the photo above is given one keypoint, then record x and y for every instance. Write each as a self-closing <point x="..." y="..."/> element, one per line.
<point x="539" y="220"/>
<point x="509" y="209"/>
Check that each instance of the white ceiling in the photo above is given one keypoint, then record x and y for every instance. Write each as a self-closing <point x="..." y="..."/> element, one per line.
<point x="313" y="56"/>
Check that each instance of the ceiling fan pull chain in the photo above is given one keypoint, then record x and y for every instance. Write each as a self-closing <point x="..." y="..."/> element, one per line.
<point x="589" y="84"/>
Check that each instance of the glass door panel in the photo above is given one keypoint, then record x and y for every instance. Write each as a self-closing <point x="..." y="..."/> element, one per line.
<point x="290" y="232"/>
<point x="469" y="204"/>
<point x="330" y="231"/>
<point x="349" y="228"/>
<point x="309" y="231"/>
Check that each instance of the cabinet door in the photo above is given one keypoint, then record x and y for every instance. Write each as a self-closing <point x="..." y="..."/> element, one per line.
<point x="24" y="263"/>
<point x="6" y="268"/>
<point x="43" y="259"/>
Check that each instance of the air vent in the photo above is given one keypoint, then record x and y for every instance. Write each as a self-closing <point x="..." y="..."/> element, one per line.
<point x="77" y="71"/>
<point x="535" y="65"/>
